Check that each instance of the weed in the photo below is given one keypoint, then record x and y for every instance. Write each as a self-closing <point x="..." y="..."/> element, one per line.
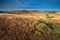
<point x="47" y="16"/>
<point x="38" y="33"/>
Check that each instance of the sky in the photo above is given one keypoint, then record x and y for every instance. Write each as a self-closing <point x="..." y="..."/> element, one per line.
<point x="42" y="5"/>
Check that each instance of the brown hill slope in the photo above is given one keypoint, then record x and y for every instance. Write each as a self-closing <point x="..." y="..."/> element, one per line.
<point x="28" y="26"/>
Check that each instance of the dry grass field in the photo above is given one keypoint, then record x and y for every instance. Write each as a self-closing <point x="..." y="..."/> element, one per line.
<point x="29" y="25"/>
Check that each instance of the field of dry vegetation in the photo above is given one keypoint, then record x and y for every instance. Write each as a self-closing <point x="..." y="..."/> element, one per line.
<point x="30" y="25"/>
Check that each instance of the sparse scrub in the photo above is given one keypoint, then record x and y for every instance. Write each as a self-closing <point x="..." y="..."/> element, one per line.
<point x="38" y="33"/>
<point x="47" y="16"/>
<point x="20" y="28"/>
<point x="46" y="29"/>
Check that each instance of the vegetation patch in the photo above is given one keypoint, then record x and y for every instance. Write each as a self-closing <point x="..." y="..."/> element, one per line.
<point x="38" y="33"/>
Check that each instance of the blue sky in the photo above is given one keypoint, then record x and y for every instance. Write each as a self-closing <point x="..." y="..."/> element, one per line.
<point x="41" y="5"/>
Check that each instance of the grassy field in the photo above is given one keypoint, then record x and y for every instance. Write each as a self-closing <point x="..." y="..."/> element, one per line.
<point x="30" y="25"/>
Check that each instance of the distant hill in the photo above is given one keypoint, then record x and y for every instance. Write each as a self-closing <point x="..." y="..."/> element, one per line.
<point x="27" y="11"/>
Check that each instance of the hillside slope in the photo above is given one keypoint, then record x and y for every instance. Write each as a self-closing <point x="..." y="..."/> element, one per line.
<point x="29" y="26"/>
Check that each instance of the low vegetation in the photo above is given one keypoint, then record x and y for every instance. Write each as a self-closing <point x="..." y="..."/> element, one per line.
<point x="20" y="28"/>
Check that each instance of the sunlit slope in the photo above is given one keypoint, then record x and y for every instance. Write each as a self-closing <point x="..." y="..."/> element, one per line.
<point x="30" y="26"/>
<point x="55" y="17"/>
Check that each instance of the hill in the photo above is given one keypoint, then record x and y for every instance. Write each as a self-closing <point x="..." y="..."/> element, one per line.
<point x="29" y="25"/>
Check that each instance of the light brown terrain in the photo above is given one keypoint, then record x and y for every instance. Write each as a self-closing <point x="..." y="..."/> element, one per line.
<point x="19" y="25"/>
<point x="33" y="14"/>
